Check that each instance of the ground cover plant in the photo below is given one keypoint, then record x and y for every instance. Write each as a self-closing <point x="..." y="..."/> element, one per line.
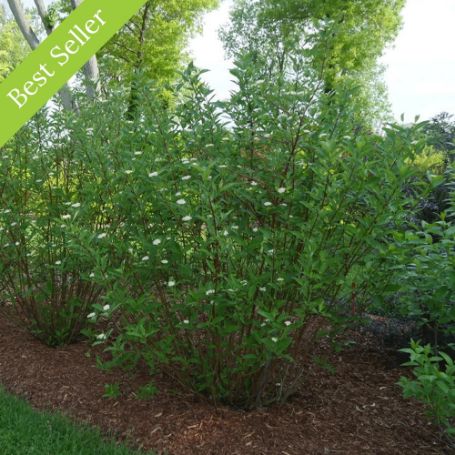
<point x="24" y="431"/>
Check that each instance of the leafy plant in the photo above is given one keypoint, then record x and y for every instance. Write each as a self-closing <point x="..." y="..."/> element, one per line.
<point x="56" y="222"/>
<point x="421" y="265"/>
<point x="111" y="391"/>
<point x="434" y="385"/>
<point x="245" y="225"/>
<point x="414" y="272"/>
<point x="147" y="391"/>
<point x="213" y="242"/>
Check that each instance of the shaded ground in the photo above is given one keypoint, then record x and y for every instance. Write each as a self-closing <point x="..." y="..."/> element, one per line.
<point x="357" y="409"/>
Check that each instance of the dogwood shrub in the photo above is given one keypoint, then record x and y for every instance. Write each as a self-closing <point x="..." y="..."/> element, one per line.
<point x="209" y="241"/>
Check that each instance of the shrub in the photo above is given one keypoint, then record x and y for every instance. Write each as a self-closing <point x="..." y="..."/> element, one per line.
<point x="428" y="288"/>
<point x="429" y="161"/>
<point x="414" y="270"/>
<point x="209" y="241"/>
<point x="420" y="264"/>
<point x="434" y="386"/>
<point x="57" y="221"/>
<point x="246" y="225"/>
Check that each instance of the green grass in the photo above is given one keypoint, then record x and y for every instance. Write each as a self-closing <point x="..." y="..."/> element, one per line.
<point x="24" y="431"/>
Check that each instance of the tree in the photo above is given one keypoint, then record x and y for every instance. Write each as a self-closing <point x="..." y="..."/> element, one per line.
<point x="341" y="40"/>
<point x="346" y="38"/>
<point x="91" y="69"/>
<point x="13" y="48"/>
<point x="249" y="33"/>
<point x="347" y="35"/>
<point x="29" y="34"/>
<point x="23" y="22"/>
<point x="153" y="41"/>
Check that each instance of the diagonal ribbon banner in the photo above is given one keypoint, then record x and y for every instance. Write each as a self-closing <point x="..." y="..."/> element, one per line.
<point x="61" y="55"/>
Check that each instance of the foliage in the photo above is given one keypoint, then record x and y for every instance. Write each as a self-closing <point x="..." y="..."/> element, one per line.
<point x="111" y="391"/>
<point x="248" y="33"/>
<point x="429" y="161"/>
<point x="154" y="40"/>
<point x="415" y="270"/>
<point x="346" y="35"/>
<point x="341" y="41"/>
<point x="241" y="241"/>
<point x="215" y="242"/>
<point x="434" y="165"/>
<point x="54" y="223"/>
<point x="433" y="385"/>
<point x="26" y="432"/>
<point x="212" y="242"/>
<point x="153" y="43"/>
<point x="441" y="134"/>
<point x="12" y="47"/>
<point x="427" y="268"/>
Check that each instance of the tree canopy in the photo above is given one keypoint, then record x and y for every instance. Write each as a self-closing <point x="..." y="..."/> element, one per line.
<point x="154" y="40"/>
<point x="12" y="47"/>
<point x="346" y="35"/>
<point x="340" y="40"/>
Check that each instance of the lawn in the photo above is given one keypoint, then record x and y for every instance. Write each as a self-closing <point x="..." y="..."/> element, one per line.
<point x="23" y="431"/>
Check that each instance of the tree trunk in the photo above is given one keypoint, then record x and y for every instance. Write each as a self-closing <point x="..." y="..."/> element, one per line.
<point x="134" y="96"/>
<point x="24" y="25"/>
<point x="42" y="11"/>
<point x="19" y="15"/>
<point x="91" y="69"/>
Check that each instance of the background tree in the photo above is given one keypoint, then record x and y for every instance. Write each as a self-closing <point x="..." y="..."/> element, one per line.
<point x="49" y="19"/>
<point x="24" y="24"/>
<point x="441" y="134"/>
<point x="341" y="40"/>
<point x="91" y="69"/>
<point x="153" y="42"/>
<point x="12" y="47"/>
<point x="351" y="34"/>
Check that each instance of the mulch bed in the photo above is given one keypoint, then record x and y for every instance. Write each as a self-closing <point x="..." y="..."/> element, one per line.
<point x="357" y="409"/>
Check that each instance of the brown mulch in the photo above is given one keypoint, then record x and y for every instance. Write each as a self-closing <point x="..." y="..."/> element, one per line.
<point x="358" y="409"/>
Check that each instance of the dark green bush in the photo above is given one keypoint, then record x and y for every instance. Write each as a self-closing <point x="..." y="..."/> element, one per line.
<point x="212" y="241"/>
<point x="247" y="223"/>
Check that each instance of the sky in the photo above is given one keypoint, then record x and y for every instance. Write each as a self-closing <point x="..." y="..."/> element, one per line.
<point x="421" y="66"/>
<point x="420" y="71"/>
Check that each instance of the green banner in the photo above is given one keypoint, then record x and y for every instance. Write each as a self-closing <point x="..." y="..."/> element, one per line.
<point x="43" y="73"/>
